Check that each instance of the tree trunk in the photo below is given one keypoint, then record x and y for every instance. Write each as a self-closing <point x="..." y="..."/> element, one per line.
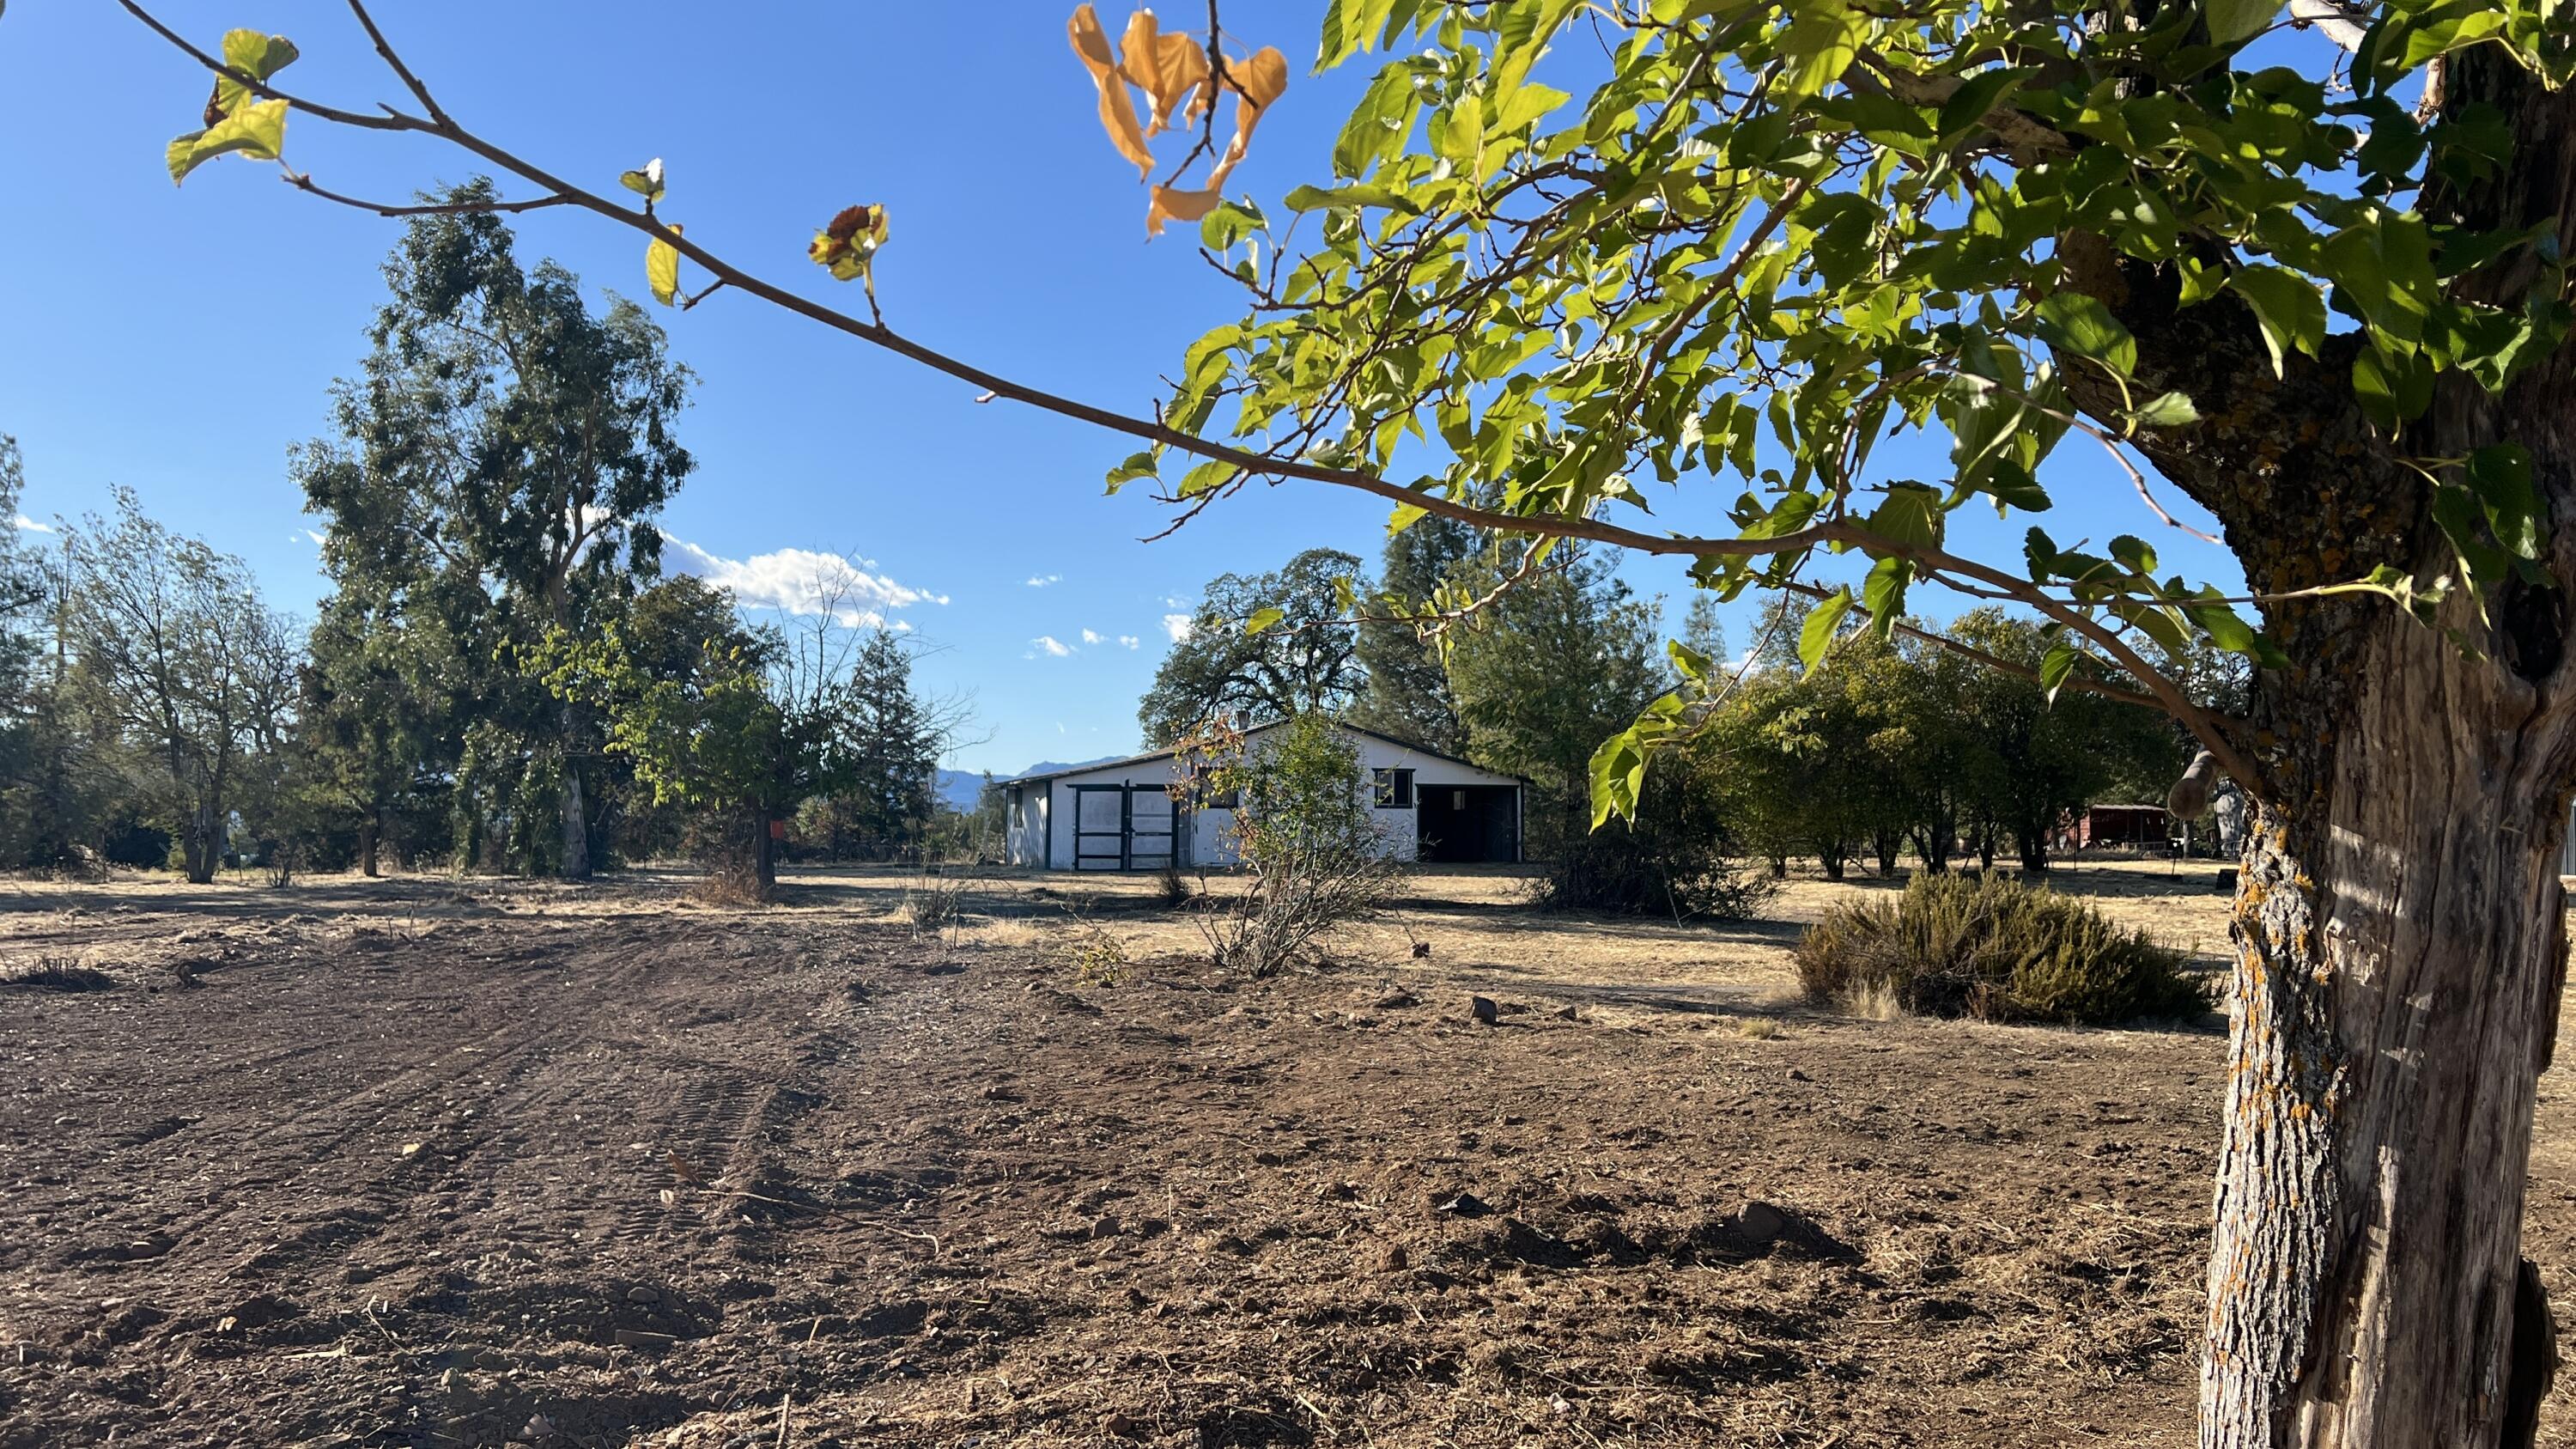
<point x="576" y="817"/>
<point x="204" y="849"/>
<point x="1887" y="847"/>
<point x="368" y="831"/>
<point x="2033" y="848"/>
<point x="2400" y="954"/>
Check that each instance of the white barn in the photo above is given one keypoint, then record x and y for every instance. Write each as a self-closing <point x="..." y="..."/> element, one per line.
<point x="1123" y="814"/>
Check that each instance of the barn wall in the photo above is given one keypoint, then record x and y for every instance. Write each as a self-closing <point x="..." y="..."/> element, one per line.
<point x="1043" y="826"/>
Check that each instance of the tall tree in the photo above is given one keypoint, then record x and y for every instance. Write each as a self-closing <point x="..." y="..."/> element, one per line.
<point x="174" y="652"/>
<point x="1260" y="648"/>
<point x="1407" y="694"/>
<point x="496" y="472"/>
<point x="2014" y="224"/>
<point x="1562" y="655"/>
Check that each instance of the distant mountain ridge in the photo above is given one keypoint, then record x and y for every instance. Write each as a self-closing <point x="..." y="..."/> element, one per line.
<point x="959" y="790"/>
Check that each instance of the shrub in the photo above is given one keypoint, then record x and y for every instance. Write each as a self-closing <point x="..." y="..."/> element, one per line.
<point x="933" y="902"/>
<point x="1317" y="860"/>
<point x="1994" y="949"/>
<point x="1646" y="870"/>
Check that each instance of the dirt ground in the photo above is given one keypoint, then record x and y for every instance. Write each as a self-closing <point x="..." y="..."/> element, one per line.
<point x="431" y="1163"/>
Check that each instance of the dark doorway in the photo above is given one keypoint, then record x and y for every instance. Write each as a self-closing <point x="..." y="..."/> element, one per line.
<point x="1469" y="824"/>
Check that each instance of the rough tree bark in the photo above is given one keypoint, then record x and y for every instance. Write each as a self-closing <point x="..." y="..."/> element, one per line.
<point x="2398" y="929"/>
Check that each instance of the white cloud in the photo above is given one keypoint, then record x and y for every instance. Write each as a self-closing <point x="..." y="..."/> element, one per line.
<point x="317" y="538"/>
<point x="32" y="526"/>
<point x="1177" y="625"/>
<point x="1130" y="641"/>
<point x="1051" y="646"/>
<point x="1094" y="636"/>
<point x="1040" y="581"/>
<point x="802" y="581"/>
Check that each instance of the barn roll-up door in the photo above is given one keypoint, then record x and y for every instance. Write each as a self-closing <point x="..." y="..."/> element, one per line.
<point x="1124" y="827"/>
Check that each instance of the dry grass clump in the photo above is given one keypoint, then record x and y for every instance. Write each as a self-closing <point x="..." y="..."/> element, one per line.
<point x="57" y="973"/>
<point x="1994" y="949"/>
<point x="933" y="903"/>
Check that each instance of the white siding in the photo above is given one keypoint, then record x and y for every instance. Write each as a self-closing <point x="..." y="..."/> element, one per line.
<point x="1041" y="823"/>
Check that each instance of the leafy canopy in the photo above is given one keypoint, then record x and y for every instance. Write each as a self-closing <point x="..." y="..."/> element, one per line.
<point x="1774" y="234"/>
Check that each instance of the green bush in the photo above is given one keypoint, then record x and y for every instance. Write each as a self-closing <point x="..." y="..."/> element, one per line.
<point x="1995" y="949"/>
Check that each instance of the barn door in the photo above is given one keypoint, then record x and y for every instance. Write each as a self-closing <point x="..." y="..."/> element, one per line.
<point x="1124" y="827"/>
<point x="1152" y="836"/>
<point x="1099" y="827"/>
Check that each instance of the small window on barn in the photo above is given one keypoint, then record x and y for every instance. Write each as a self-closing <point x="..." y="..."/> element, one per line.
<point x="1394" y="789"/>
<point x="1208" y="797"/>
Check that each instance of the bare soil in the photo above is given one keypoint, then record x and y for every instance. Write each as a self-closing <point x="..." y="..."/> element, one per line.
<point x="409" y="1163"/>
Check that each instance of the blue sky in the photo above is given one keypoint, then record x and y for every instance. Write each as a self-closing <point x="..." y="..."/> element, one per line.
<point x="178" y="341"/>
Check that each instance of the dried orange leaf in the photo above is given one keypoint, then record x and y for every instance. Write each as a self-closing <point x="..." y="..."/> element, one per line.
<point x="1259" y="81"/>
<point x="1117" y="110"/>
<point x="1168" y="68"/>
<point x="850" y="241"/>
<point x="1173" y="204"/>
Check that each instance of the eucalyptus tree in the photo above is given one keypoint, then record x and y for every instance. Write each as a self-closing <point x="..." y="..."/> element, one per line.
<point x="2302" y="264"/>
<point x="494" y="478"/>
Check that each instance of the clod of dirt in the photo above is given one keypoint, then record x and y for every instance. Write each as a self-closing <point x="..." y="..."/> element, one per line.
<point x="1394" y="998"/>
<point x="1754" y="1225"/>
<point x="1393" y="1259"/>
<point x="1798" y="1076"/>
<point x="1566" y="1013"/>
<point x="1123" y="1426"/>
<point x="1467" y="1205"/>
<point x="1483" y="1009"/>
<point x="1104" y="1226"/>
<point x="1421" y="950"/>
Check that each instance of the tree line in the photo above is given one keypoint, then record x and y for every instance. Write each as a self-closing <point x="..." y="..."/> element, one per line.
<point x="501" y="675"/>
<point x="1888" y="747"/>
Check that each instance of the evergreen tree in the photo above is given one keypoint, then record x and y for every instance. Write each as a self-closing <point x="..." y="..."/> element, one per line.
<point x="1407" y="694"/>
<point x="1558" y="662"/>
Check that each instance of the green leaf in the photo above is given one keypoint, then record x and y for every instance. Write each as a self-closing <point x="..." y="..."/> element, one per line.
<point x="2289" y="307"/>
<point x="1523" y="29"/>
<point x="2391" y="390"/>
<point x="1138" y="465"/>
<point x="2234" y="21"/>
<point x="2166" y="410"/>
<point x="662" y="270"/>
<point x="2055" y="666"/>
<point x="1357" y="193"/>
<point x="1978" y="95"/>
<point x="1883" y="593"/>
<point x="1822" y="622"/>
<point x="1909" y="515"/>
<point x="1262" y="619"/>
<point x="2073" y="322"/>
<point x="256" y="130"/>
<point x="1822" y="40"/>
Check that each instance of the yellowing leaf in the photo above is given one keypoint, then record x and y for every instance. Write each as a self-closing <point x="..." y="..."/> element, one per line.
<point x="1168" y="68"/>
<point x="256" y="130"/>
<point x="259" y="56"/>
<point x="1173" y="204"/>
<point x="646" y="182"/>
<point x="662" y="269"/>
<point x="1117" y="110"/>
